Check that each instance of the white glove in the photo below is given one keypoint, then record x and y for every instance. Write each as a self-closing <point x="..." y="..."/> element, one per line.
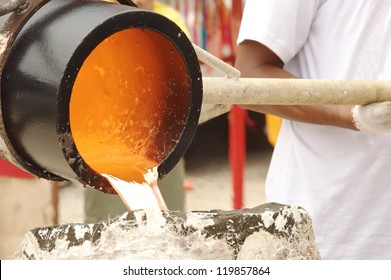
<point x="372" y="118"/>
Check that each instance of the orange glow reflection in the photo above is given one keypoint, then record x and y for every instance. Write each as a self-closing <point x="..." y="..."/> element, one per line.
<point x="129" y="103"/>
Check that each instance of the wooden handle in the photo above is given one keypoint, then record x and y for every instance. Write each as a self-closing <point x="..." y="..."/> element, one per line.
<point x="293" y="91"/>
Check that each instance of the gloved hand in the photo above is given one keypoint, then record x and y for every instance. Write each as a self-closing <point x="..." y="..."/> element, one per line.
<point x="372" y="118"/>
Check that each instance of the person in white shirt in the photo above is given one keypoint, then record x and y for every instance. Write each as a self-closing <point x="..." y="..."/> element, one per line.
<point x="333" y="160"/>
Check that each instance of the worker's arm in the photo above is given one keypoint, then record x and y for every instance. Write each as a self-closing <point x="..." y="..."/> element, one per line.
<point x="255" y="60"/>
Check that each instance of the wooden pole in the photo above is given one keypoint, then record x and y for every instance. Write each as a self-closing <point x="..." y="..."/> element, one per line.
<point x="219" y="90"/>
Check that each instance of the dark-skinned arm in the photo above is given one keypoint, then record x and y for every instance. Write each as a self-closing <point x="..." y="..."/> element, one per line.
<point x="255" y="60"/>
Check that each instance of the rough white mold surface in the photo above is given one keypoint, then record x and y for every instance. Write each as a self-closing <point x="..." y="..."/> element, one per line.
<point x="269" y="231"/>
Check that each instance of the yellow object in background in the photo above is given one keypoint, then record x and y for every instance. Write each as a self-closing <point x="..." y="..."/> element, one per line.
<point x="167" y="11"/>
<point x="172" y="14"/>
<point x="273" y="124"/>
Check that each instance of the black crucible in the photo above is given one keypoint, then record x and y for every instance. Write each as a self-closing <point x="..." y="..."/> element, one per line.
<point x="92" y="87"/>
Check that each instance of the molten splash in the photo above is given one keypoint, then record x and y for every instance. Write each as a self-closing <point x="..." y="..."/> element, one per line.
<point x="138" y="196"/>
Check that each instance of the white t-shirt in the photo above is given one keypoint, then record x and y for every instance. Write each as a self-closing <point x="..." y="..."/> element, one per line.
<point x="340" y="176"/>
